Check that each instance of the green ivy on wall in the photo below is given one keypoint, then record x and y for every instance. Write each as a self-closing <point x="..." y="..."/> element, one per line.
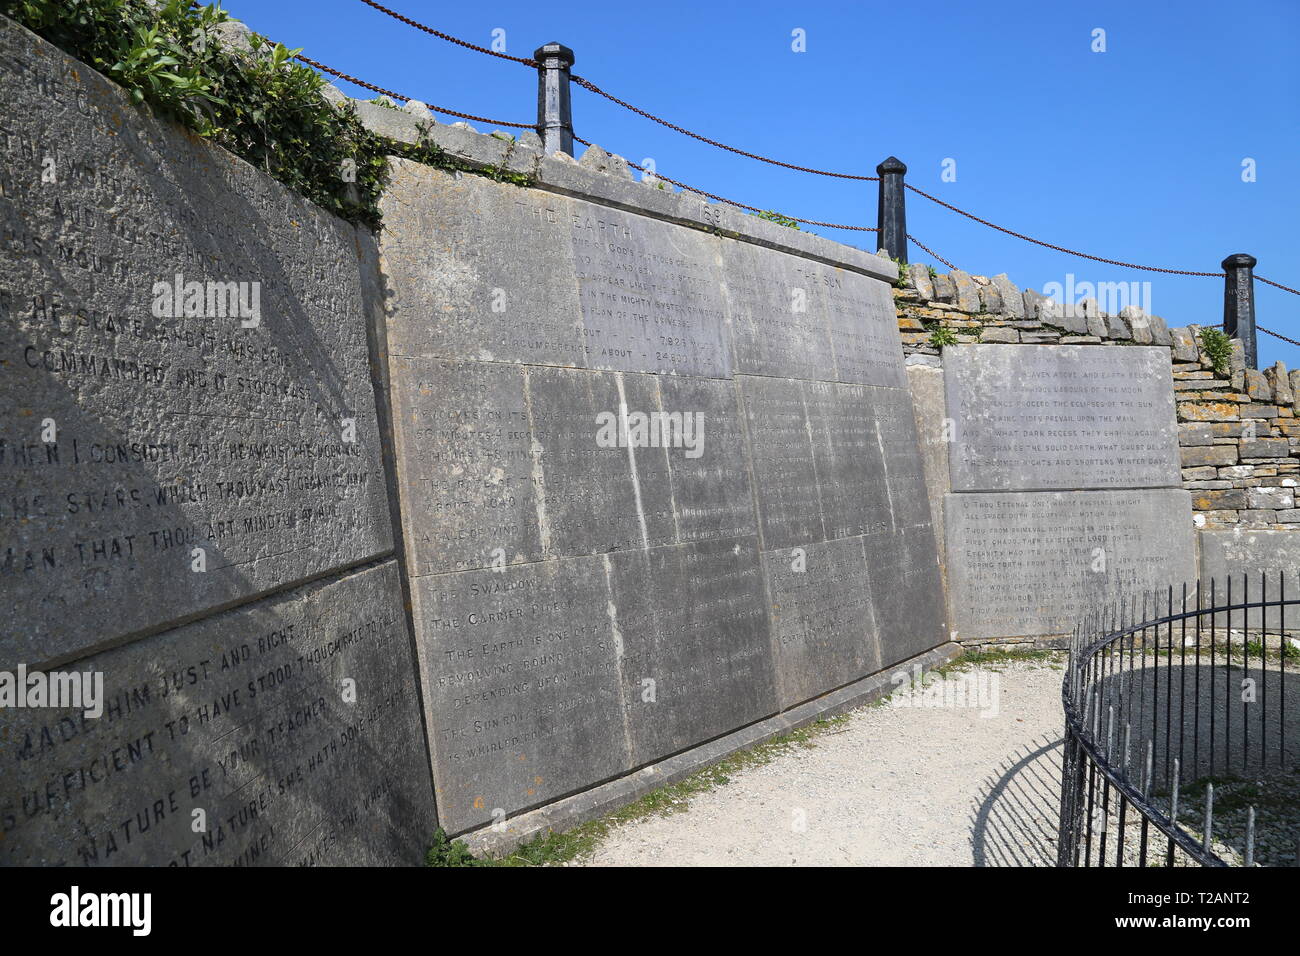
<point x="266" y="108"/>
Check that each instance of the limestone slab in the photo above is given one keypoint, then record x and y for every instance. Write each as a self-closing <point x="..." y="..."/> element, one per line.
<point x="692" y="630"/>
<point x="144" y="438"/>
<point x="649" y="294"/>
<point x="711" y="490"/>
<point x="1032" y="564"/>
<point x="465" y="464"/>
<point x="907" y="591"/>
<point x="491" y="272"/>
<point x="793" y="318"/>
<point x="239" y="725"/>
<point x="785" y="473"/>
<point x="597" y="496"/>
<point x="479" y="270"/>
<point x="1060" y="417"/>
<point x="824" y="629"/>
<point x="1266" y="562"/>
<point x="521" y="686"/>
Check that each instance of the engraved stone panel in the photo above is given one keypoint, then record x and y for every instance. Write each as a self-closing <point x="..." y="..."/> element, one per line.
<point x="650" y="297"/>
<point x="904" y="481"/>
<point x="785" y="475"/>
<point x="597" y="496"/>
<point x="1274" y="555"/>
<point x="1060" y="417"/>
<point x="521" y="685"/>
<point x="712" y="496"/>
<point x="490" y="272"/>
<point x="864" y="328"/>
<point x="1032" y="564"/>
<point x="695" y="655"/>
<point x="794" y="318"/>
<point x="848" y="458"/>
<point x="824" y="628"/>
<point x="138" y="425"/>
<point x="906" y="591"/>
<point x="478" y="271"/>
<point x="242" y="716"/>
<point x="777" y="325"/>
<point x="926" y="386"/>
<point x="465" y="464"/>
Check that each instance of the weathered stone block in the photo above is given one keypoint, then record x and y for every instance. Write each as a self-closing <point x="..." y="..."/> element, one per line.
<point x="1265" y="448"/>
<point x="691" y="632"/>
<point x="465" y="465"/>
<point x="1184" y="344"/>
<point x="1267" y="555"/>
<point x="1044" y="417"/>
<point x="1013" y="303"/>
<point x="785" y="476"/>
<point x="1274" y="498"/>
<point x="921" y="282"/>
<point x="1023" y="564"/>
<point x="1257" y="386"/>
<point x="242" y="715"/>
<point x="166" y="454"/>
<point x="1209" y="455"/>
<point x="823" y="625"/>
<point x="522" y="690"/>
<point x="966" y="295"/>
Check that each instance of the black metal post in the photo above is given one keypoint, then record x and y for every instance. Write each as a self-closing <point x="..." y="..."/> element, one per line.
<point x="1239" y="304"/>
<point x="891" y="212"/>
<point x="554" y="109"/>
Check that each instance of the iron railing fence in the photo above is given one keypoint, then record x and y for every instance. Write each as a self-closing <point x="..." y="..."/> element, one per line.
<point x="1180" y="728"/>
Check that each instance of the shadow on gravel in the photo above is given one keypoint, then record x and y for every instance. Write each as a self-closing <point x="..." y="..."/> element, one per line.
<point x="1016" y="819"/>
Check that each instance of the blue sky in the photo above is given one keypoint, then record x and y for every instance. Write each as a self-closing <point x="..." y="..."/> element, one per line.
<point x="1134" y="153"/>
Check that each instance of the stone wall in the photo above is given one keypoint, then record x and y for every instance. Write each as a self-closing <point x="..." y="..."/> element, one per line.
<point x="193" y="505"/>
<point x="1238" y="432"/>
<point x="582" y="607"/>
<point x="367" y="558"/>
<point x="356" y="561"/>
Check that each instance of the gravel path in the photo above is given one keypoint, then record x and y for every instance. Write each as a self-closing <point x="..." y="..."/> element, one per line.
<point x="893" y="785"/>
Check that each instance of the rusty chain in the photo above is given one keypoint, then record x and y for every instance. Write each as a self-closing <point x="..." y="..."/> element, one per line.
<point x="398" y="96"/>
<point x="526" y="61"/>
<point x="923" y="246"/>
<point x="593" y="88"/>
<point x="1278" y="285"/>
<point x="1277" y="335"/>
<point x="1048" y="245"/>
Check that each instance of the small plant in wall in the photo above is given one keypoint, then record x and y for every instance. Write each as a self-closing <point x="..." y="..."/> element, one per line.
<point x="941" y="335"/>
<point x="446" y="852"/>
<point x="902" y="272"/>
<point x="777" y="218"/>
<point x="1218" y="349"/>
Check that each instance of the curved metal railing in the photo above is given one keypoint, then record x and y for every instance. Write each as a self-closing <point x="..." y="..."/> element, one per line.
<point x="1196" y="690"/>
